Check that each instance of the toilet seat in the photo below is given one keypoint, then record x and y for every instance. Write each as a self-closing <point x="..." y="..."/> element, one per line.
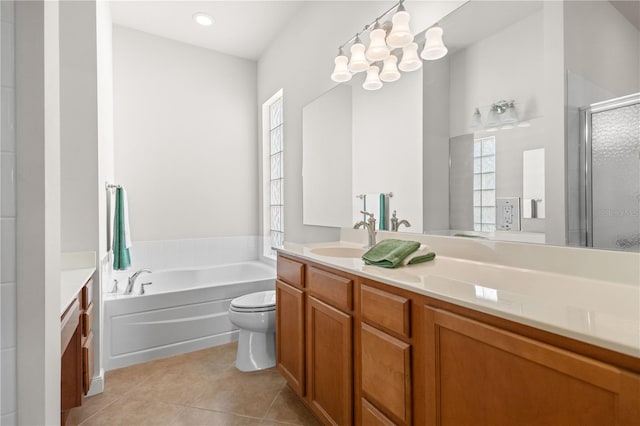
<point x="262" y="301"/>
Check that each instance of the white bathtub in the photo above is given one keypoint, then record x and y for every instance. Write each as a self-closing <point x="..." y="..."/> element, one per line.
<point x="182" y="311"/>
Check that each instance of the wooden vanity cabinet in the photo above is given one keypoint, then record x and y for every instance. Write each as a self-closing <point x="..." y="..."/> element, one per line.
<point x="77" y="366"/>
<point x="330" y="345"/>
<point x="87" y="336"/>
<point x="385" y="355"/>
<point x="290" y="323"/>
<point x="376" y="354"/>
<point x="484" y="375"/>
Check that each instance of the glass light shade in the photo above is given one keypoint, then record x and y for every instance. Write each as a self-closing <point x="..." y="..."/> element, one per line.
<point x="390" y="71"/>
<point x="341" y="71"/>
<point x="378" y="50"/>
<point x="410" y="60"/>
<point x="509" y="116"/>
<point x="358" y="62"/>
<point x="372" y="82"/>
<point x="434" y="47"/>
<point x="400" y="34"/>
<point x="493" y="120"/>
<point x="476" y="120"/>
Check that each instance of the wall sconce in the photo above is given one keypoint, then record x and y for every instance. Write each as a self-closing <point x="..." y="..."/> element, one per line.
<point x="501" y="115"/>
<point x="391" y="48"/>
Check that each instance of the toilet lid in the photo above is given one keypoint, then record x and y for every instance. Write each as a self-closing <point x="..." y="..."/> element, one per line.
<point x="261" y="299"/>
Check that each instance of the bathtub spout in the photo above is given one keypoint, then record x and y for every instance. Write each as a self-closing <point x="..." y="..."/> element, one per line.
<point x="132" y="280"/>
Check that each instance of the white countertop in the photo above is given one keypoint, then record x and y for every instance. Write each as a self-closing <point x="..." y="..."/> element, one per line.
<point x="77" y="268"/>
<point x="71" y="281"/>
<point x="602" y="313"/>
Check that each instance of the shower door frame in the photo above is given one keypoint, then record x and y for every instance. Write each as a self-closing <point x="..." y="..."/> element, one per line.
<point x="586" y="135"/>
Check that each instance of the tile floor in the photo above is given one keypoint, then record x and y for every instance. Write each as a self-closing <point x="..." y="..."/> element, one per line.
<point x="198" y="388"/>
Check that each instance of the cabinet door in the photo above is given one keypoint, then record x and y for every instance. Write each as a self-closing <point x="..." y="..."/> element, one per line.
<point x="330" y="368"/>
<point x="386" y="373"/>
<point x="290" y="335"/>
<point x="481" y="375"/>
<point x="87" y="363"/>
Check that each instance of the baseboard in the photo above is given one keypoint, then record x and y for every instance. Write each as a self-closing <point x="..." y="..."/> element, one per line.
<point x="97" y="384"/>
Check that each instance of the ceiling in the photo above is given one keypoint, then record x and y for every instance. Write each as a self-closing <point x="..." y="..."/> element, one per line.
<point x="241" y="28"/>
<point x="629" y="9"/>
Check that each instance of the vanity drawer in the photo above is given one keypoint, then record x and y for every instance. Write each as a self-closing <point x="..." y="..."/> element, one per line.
<point x="87" y="320"/>
<point x="87" y="294"/>
<point x="291" y="272"/>
<point x="331" y="288"/>
<point x="389" y="311"/>
<point x="87" y="363"/>
<point x="69" y="323"/>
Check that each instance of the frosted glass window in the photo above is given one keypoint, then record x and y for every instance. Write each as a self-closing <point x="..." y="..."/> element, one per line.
<point x="276" y="139"/>
<point x="484" y="184"/>
<point x="276" y="113"/>
<point x="276" y="166"/>
<point x="274" y="212"/>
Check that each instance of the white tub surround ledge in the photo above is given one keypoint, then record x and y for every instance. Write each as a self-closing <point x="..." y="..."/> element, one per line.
<point x="560" y="295"/>
<point x="76" y="269"/>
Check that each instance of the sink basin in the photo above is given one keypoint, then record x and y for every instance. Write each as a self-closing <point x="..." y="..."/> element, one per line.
<point x="339" y="251"/>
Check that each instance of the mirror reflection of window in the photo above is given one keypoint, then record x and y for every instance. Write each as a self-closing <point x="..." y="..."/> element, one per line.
<point x="484" y="184"/>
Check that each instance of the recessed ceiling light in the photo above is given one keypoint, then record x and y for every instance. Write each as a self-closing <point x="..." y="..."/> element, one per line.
<point x="203" y="19"/>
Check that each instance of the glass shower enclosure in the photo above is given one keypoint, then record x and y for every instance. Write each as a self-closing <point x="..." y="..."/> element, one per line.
<point x="611" y="135"/>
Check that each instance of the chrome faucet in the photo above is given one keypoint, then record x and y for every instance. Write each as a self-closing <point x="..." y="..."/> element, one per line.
<point x="395" y="223"/>
<point x="132" y="280"/>
<point x="370" y="226"/>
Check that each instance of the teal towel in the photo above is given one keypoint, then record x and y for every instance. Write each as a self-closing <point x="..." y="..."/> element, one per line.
<point x="389" y="253"/>
<point x="423" y="258"/>
<point x="382" y="226"/>
<point x="121" y="256"/>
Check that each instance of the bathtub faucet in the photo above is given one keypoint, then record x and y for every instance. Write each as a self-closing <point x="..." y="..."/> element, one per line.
<point x="132" y="280"/>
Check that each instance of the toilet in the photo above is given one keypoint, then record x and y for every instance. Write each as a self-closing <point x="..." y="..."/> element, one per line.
<point x="255" y="315"/>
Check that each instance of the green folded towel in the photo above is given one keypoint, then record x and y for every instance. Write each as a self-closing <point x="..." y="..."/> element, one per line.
<point x="422" y="258"/>
<point x="389" y="253"/>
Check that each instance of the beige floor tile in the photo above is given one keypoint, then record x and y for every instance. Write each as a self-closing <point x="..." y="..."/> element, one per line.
<point x="196" y="417"/>
<point x="135" y="412"/>
<point x="198" y="388"/>
<point x="122" y="380"/>
<point x="288" y="408"/>
<point x="248" y="394"/>
<point x="90" y="406"/>
<point x="170" y="386"/>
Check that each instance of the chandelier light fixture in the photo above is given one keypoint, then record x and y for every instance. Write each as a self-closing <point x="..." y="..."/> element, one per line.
<point x="501" y="115"/>
<point x="391" y="49"/>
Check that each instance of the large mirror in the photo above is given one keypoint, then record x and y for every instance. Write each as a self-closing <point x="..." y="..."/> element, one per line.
<point x="494" y="140"/>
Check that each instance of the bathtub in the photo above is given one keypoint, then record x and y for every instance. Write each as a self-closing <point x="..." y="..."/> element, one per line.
<point x="182" y="311"/>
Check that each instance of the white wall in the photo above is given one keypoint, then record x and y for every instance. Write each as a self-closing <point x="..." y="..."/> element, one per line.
<point x="504" y="66"/>
<point x="300" y="61"/>
<point x="78" y="126"/>
<point x="105" y="172"/>
<point x="326" y="159"/>
<point x="185" y="137"/>
<point x="387" y="145"/>
<point x="8" y="330"/>
<point x="38" y="204"/>
<point x="435" y="155"/>
<point x="602" y="46"/>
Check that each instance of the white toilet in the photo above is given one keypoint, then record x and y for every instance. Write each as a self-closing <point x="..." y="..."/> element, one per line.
<point x="255" y="315"/>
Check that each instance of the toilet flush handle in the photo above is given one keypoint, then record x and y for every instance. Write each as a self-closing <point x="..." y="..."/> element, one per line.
<point x="142" y="287"/>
